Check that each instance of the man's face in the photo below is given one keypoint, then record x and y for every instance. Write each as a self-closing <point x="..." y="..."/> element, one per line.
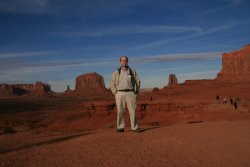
<point x="124" y="61"/>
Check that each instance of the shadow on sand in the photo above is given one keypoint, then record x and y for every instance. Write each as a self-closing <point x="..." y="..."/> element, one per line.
<point x="52" y="141"/>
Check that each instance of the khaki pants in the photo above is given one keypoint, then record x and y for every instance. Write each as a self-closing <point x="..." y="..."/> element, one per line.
<point x="123" y="98"/>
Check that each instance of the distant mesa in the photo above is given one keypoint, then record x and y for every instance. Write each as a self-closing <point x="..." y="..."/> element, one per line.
<point x="172" y="80"/>
<point x="235" y="66"/>
<point x="87" y="85"/>
<point x="37" y="89"/>
<point x="90" y="84"/>
<point x="90" y="81"/>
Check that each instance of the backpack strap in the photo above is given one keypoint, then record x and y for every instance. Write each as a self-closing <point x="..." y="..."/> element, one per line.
<point x="131" y="73"/>
<point x="133" y="79"/>
<point x="119" y="70"/>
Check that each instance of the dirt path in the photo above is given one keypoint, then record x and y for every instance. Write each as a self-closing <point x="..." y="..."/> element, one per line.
<point x="221" y="143"/>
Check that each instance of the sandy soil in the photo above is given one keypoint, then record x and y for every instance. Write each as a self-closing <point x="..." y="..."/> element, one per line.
<point x="219" y="143"/>
<point x="195" y="131"/>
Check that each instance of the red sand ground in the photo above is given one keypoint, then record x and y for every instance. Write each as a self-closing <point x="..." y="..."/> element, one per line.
<point x="220" y="143"/>
<point x="194" y="131"/>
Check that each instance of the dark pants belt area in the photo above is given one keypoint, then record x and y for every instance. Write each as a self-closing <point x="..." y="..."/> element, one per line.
<point x="126" y="90"/>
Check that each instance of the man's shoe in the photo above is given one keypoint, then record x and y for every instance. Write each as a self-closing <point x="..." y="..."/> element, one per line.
<point x="119" y="130"/>
<point x="138" y="130"/>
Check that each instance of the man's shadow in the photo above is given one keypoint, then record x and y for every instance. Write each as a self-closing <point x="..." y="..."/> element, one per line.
<point x="150" y="128"/>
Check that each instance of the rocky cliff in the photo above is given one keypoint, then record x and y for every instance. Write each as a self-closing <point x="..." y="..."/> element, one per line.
<point x="235" y="66"/>
<point x="89" y="81"/>
<point x="38" y="89"/>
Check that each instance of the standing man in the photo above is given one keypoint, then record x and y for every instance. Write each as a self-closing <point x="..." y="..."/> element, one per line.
<point x="125" y="85"/>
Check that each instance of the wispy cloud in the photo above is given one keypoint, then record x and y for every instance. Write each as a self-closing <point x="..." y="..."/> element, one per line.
<point x="189" y="36"/>
<point x="228" y="6"/>
<point x="178" y="57"/>
<point x="24" y="6"/>
<point x="82" y="9"/>
<point x="132" y="29"/>
<point x="22" y="67"/>
<point x="4" y="55"/>
<point x="234" y="2"/>
<point x="19" y="66"/>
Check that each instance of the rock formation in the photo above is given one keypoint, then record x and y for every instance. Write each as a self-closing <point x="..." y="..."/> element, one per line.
<point x="90" y="85"/>
<point x="38" y="88"/>
<point x="235" y="66"/>
<point x="68" y="90"/>
<point x="6" y="90"/>
<point x="90" y="81"/>
<point x="172" y="80"/>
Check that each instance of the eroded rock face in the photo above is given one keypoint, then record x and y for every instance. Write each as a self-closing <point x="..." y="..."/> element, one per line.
<point x="6" y="90"/>
<point x="24" y="89"/>
<point x="68" y="90"/>
<point x="90" y="85"/>
<point x="90" y="81"/>
<point x="38" y="87"/>
<point x="236" y="66"/>
<point x="172" y="80"/>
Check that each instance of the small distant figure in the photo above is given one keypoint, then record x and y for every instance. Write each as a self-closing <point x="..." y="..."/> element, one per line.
<point x="231" y="101"/>
<point x="235" y="105"/>
<point x="151" y="98"/>
<point x="225" y="101"/>
<point x="218" y="99"/>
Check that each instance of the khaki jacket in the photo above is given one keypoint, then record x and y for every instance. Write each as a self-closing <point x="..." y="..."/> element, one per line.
<point x="115" y="81"/>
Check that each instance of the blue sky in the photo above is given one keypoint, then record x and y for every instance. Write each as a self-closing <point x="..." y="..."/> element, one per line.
<point x="54" y="41"/>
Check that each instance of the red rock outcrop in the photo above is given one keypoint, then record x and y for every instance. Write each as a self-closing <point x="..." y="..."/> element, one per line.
<point x="68" y="90"/>
<point x="90" y="81"/>
<point x="38" y="89"/>
<point x="90" y="85"/>
<point x="38" y="86"/>
<point x="236" y="66"/>
<point x="99" y="108"/>
<point x="172" y="80"/>
<point x="199" y="82"/>
<point x="6" y="90"/>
